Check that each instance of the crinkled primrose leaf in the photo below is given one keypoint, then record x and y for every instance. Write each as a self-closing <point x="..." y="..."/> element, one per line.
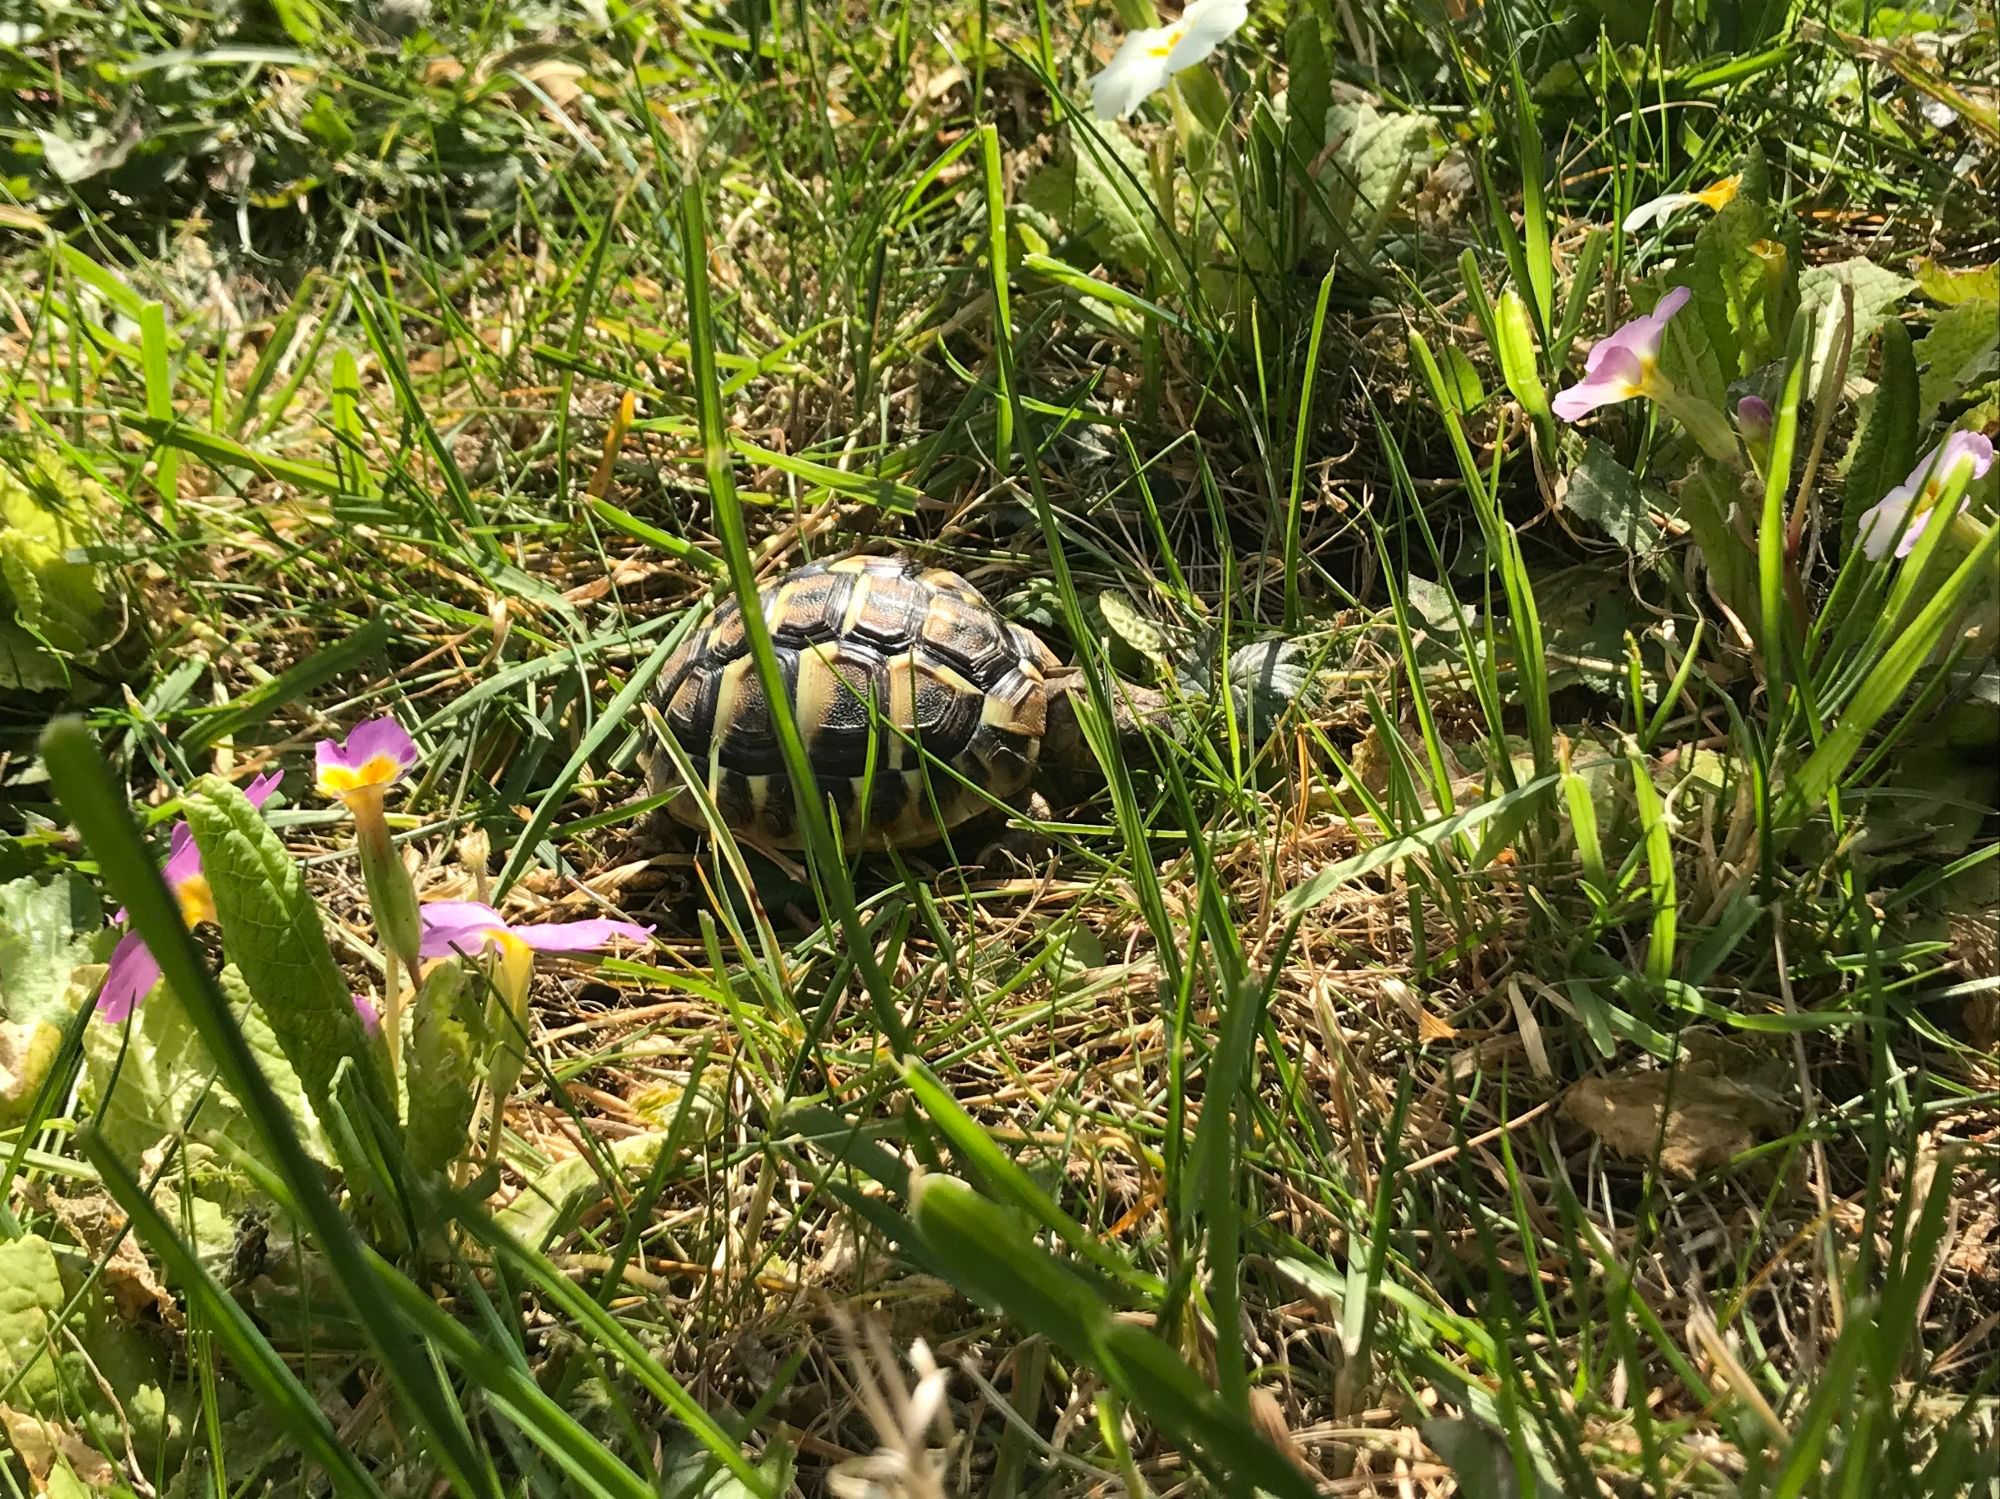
<point x="155" y="1081"/>
<point x="51" y="605"/>
<point x="65" y="1355"/>
<point x="445" y="1068"/>
<point x="45" y="963"/>
<point x="271" y="931"/>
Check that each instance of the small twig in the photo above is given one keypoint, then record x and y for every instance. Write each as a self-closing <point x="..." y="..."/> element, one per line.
<point x="1438" y="1158"/>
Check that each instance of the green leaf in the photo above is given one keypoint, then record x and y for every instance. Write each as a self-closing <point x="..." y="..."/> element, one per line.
<point x="327" y="123"/>
<point x="1876" y="293"/>
<point x="1732" y="273"/>
<point x="1962" y="348"/>
<point x="1092" y="196"/>
<point x="1886" y="450"/>
<point x="154" y="1081"/>
<point x="1707" y="498"/>
<point x="1480" y="1460"/>
<point x="1514" y="344"/>
<point x="554" y="1197"/>
<point x="444" y="1070"/>
<point x="1133" y="628"/>
<point x="1602" y="491"/>
<point x="1374" y="154"/>
<point x="1265" y="678"/>
<point x="27" y="1050"/>
<point x="283" y="1401"/>
<point x="40" y="952"/>
<point x="26" y="665"/>
<point x="44" y="514"/>
<point x="692" y="1472"/>
<point x="32" y="1360"/>
<point x="271" y="931"/>
<point x="71" y="1359"/>
<point x="1308" y="87"/>
<point x="1952" y="288"/>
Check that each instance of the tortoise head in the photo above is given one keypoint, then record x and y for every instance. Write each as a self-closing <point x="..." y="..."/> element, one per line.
<point x="1134" y="710"/>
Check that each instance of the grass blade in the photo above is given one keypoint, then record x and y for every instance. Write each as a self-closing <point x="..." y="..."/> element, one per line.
<point x="92" y="801"/>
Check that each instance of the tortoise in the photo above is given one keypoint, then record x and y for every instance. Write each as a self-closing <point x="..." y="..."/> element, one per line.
<point x="889" y="662"/>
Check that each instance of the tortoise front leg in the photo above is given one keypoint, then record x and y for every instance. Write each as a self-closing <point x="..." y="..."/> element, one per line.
<point x="1018" y="849"/>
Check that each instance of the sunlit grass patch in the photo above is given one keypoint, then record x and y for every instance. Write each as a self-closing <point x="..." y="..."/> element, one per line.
<point x="1529" y="1025"/>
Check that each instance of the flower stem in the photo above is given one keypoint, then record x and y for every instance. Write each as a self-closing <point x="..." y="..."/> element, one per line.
<point x="392" y="1014"/>
<point x="1707" y="426"/>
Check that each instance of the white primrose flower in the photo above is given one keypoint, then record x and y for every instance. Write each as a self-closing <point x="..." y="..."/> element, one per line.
<point x="1149" y="58"/>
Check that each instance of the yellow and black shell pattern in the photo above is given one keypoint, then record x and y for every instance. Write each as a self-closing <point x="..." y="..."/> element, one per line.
<point x="878" y="654"/>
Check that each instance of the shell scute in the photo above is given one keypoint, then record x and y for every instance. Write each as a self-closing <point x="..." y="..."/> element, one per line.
<point x="889" y="668"/>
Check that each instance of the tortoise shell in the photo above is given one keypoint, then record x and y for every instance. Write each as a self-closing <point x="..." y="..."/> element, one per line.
<point x="881" y="657"/>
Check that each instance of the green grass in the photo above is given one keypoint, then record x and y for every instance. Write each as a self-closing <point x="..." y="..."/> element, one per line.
<point x="1529" y="1030"/>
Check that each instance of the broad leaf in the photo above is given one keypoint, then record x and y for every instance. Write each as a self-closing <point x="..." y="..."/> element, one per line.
<point x="1265" y="678"/>
<point x="554" y="1197"/>
<point x="1950" y="288"/>
<point x="40" y="951"/>
<point x="1099" y="194"/>
<point x="1709" y="498"/>
<point x="1374" y="155"/>
<point x="155" y="1082"/>
<point x="1962" y="348"/>
<point x="44" y="514"/>
<point x="1876" y="292"/>
<point x="1481" y="1461"/>
<point x="1887" y="448"/>
<point x="1602" y="491"/>
<point x="1145" y="638"/>
<point x="1742" y="281"/>
<point x="65" y="1355"/>
<point x="444" y="1070"/>
<point x="271" y="931"/>
<point x="27" y="1050"/>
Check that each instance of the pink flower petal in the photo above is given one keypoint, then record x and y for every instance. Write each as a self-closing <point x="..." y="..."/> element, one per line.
<point x="1643" y="335"/>
<point x="1611" y="382"/>
<point x="1882" y="523"/>
<point x="129" y="979"/>
<point x="371" y="1018"/>
<point x="580" y="936"/>
<point x="1975" y="448"/>
<point x="381" y="738"/>
<point x="259" y="790"/>
<point x="183" y="858"/>
<point x="457" y="926"/>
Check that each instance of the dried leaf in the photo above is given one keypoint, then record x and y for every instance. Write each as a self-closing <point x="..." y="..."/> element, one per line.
<point x="41" y="1445"/>
<point x="1713" y="1119"/>
<point x="94" y="1221"/>
<point x="26" y="1052"/>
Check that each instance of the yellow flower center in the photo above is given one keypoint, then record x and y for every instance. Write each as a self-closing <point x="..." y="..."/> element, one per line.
<point x="517" y="967"/>
<point x="197" y="900"/>
<point x="373" y="773"/>
<point x="1720" y="195"/>
<point x="1166" y="47"/>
